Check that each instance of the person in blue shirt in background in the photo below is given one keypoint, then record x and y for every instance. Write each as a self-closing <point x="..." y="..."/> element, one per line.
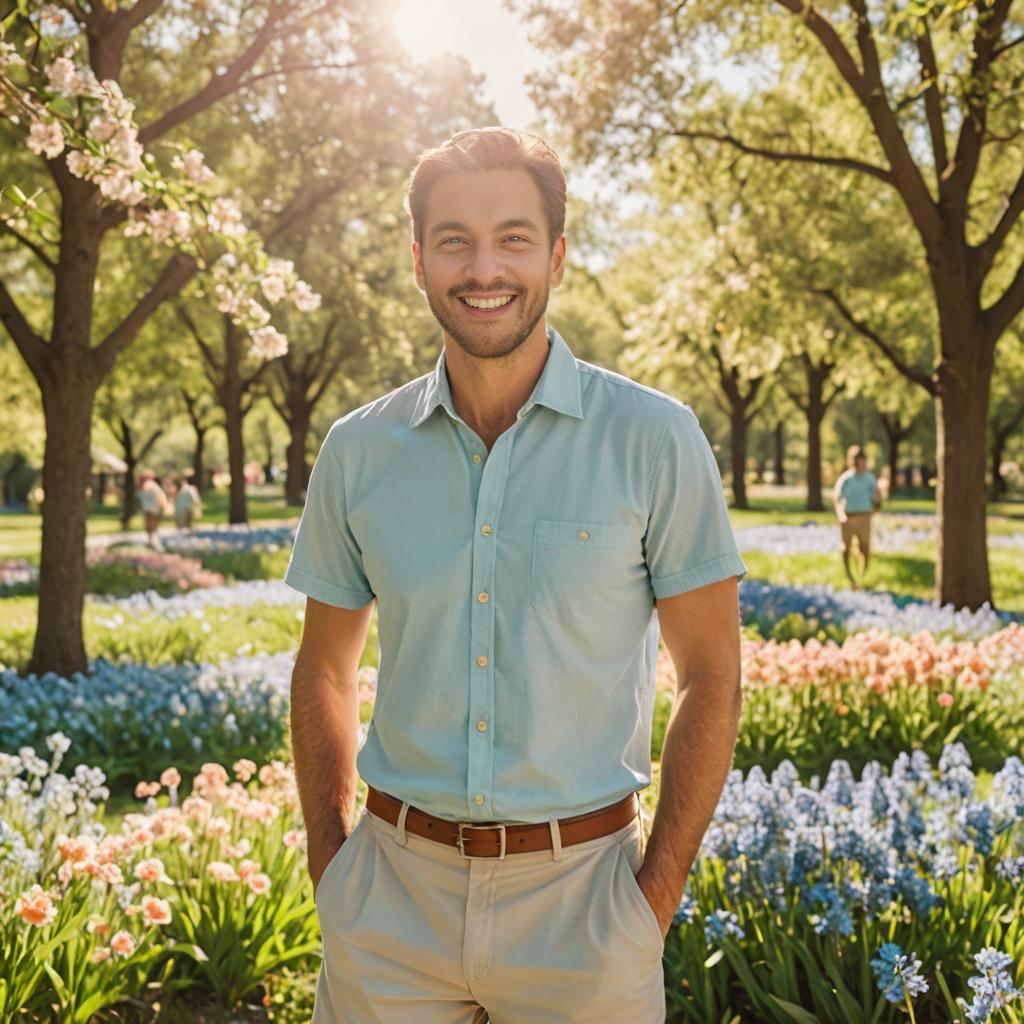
<point x="855" y="496"/>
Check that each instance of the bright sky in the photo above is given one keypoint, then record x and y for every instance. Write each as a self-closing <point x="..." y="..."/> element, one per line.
<point x="487" y="35"/>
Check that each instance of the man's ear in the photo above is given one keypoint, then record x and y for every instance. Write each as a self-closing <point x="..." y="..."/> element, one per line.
<point x="417" y="266"/>
<point x="558" y="262"/>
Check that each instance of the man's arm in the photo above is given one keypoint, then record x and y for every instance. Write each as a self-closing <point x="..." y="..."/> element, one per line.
<point x="701" y="630"/>
<point x="325" y="724"/>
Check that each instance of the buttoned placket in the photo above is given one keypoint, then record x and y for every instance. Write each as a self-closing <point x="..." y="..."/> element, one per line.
<point x="492" y="469"/>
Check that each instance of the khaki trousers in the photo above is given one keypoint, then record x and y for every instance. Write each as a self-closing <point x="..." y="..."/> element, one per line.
<point x="413" y="933"/>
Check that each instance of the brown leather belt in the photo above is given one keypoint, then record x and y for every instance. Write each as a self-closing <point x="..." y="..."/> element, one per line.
<point x="494" y="839"/>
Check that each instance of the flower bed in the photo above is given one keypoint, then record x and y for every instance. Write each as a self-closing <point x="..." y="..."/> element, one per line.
<point x="119" y="571"/>
<point x="875" y="695"/>
<point x="798" y="888"/>
<point x="814" y="608"/>
<point x="127" y="717"/>
<point x="794" y="898"/>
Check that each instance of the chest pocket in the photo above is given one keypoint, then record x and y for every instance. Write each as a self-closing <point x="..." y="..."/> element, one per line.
<point x="580" y="569"/>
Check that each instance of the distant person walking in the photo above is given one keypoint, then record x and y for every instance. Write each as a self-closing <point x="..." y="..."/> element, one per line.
<point x="855" y="496"/>
<point x="188" y="506"/>
<point x="153" y="502"/>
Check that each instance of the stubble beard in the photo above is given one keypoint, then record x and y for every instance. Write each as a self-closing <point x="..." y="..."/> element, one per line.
<point x="488" y="340"/>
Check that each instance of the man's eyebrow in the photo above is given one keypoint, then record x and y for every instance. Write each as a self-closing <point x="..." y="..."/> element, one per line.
<point x="512" y="222"/>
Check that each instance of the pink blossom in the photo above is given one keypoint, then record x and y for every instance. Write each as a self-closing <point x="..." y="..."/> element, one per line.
<point x="122" y="943"/>
<point x="155" y="911"/>
<point x="36" y="907"/>
<point x="945" y="700"/>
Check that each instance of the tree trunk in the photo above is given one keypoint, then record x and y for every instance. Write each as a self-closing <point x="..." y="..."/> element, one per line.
<point x="298" y="426"/>
<point x="780" y="452"/>
<point x="233" y="427"/>
<point x="738" y="454"/>
<point x="998" y="488"/>
<point x="961" y="420"/>
<point x="815" y="414"/>
<point x="67" y="409"/>
<point x="197" y="459"/>
<point x="130" y="505"/>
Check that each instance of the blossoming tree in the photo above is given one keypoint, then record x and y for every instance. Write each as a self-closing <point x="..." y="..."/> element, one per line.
<point x="60" y="99"/>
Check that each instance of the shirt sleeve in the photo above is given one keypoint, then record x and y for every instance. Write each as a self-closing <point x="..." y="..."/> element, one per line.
<point x="326" y="562"/>
<point x="689" y="541"/>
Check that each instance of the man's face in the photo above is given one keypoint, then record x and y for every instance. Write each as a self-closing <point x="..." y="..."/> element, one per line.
<point x="485" y="237"/>
<point x="859" y="464"/>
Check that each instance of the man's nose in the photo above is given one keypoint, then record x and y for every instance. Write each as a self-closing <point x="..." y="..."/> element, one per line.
<point x="485" y="263"/>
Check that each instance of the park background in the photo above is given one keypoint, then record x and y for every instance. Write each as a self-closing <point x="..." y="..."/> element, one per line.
<point x="804" y="221"/>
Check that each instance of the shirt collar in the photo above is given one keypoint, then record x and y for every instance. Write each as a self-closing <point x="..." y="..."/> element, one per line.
<point x="558" y="386"/>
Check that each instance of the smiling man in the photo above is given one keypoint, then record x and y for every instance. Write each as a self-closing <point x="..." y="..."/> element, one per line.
<point x="527" y="524"/>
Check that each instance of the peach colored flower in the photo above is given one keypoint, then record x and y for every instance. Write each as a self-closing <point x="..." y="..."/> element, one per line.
<point x="110" y="873"/>
<point x="99" y="954"/>
<point x="170" y="777"/>
<point x="259" y="882"/>
<point x="293" y="838"/>
<point x="194" y="807"/>
<point x="247" y="868"/>
<point x="132" y="909"/>
<point x="244" y="769"/>
<point x="156" y="911"/>
<point x="221" y="871"/>
<point x="145" y="789"/>
<point x="36" y="907"/>
<point x="77" y="848"/>
<point x="122" y="943"/>
<point x="945" y="700"/>
<point x="151" y="870"/>
<point x="97" y="926"/>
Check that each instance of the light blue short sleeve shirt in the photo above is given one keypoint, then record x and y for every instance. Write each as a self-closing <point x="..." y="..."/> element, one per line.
<point x="515" y="587"/>
<point x="857" y="489"/>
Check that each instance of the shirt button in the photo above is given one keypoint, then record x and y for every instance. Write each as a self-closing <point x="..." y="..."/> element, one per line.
<point x="476" y="457"/>
<point x="479" y="798"/>
<point x="583" y="535"/>
<point x="485" y="530"/>
<point x="482" y="598"/>
<point x="481" y="726"/>
<point x="481" y="660"/>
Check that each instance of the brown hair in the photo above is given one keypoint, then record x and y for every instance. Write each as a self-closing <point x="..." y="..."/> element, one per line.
<point x="853" y="453"/>
<point x="490" y="149"/>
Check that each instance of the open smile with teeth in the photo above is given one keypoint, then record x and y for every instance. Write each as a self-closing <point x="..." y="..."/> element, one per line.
<point x="495" y="303"/>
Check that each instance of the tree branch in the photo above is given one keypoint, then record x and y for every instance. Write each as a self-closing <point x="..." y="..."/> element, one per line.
<point x="205" y="349"/>
<point x="933" y="102"/>
<point x="890" y="353"/>
<point x="870" y="91"/>
<point x="34" y="247"/>
<point x="989" y="249"/>
<point x="1004" y="311"/>
<point x="849" y="163"/>
<point x="177" y="272"/>
<point x="219" y="85"/>
<point x="32" y="347"/>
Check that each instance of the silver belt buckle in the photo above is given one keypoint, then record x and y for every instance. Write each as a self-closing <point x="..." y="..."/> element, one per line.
<point x="460" y="842"/>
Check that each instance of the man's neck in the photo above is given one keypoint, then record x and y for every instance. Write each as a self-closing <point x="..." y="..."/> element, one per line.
<point x="487" y="393"/>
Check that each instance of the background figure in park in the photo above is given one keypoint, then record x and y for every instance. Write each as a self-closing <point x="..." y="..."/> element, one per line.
<point x="153" y="502"/>
<point x="855" y="497"/>
<point x="188" y="506"/>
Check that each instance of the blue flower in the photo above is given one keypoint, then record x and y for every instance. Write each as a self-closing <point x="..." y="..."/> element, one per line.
<point x="993" y="986"/>
<point x="720" y="923"/>
<point x="897" y="973"/>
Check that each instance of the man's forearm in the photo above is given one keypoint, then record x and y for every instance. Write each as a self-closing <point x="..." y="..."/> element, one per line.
<point x="325" y="741"/>
<point x="695" y="762"/>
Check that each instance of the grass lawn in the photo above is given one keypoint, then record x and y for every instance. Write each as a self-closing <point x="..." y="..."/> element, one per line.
<point x="20" y="532"/>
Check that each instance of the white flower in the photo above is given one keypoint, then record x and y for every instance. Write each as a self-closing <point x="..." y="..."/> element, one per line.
<point x="46" y="138"/>
<point x="269" y="343"/>
<point x="273" y="287"/>
<point x="225" y="217"/>
<point x="62" y="76"/>
<point x="306" y="300"/>
<point x="192" y="165"/>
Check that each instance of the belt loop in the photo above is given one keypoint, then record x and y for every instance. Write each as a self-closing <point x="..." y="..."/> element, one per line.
<point x="401" y="838"/>
<point x="556" y="839"/>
